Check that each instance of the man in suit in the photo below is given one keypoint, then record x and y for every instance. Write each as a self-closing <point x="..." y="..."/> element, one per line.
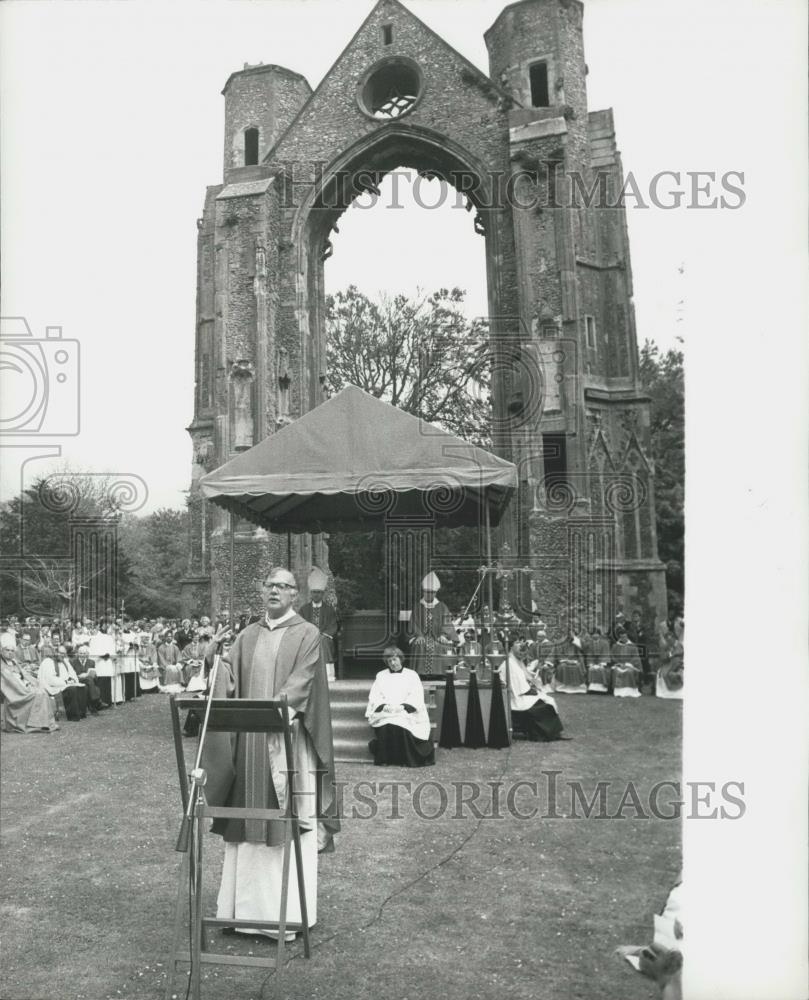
<point x="323" y="615"/>
<point x="184" y="634"/>
<point x="86" y="672"/>
<point x="57" y="676"/>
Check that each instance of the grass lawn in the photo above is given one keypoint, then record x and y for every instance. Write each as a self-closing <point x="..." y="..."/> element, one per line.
<point x="457" y="908"/>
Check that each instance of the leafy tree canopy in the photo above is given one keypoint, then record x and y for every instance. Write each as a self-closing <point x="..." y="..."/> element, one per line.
<point x="143" y="569"/>
<point x="426" y="357"/>
<point x="663" y="378"/>
<point x="423" y="355"/>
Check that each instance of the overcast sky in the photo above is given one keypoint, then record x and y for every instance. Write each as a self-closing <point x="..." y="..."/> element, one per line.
<point x="112" y="127"/>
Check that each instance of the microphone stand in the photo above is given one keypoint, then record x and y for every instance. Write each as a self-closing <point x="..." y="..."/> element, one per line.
<point x="198" y="776"/>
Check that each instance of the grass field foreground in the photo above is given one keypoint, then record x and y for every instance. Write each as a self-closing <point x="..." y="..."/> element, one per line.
<point x="459" y="907"/>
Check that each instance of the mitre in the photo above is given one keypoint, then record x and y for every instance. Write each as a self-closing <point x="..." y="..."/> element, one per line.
<point x="317" y="579"/>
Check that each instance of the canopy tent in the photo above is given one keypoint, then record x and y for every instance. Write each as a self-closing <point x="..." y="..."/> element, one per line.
<point x="345" y="464"/>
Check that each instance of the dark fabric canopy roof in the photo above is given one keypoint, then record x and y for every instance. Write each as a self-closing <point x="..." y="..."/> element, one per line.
<point x="345" y="464"/>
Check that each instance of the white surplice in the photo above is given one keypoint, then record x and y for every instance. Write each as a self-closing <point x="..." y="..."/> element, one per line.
<point x="393" y="690"/>
<point x="520" y="682"/>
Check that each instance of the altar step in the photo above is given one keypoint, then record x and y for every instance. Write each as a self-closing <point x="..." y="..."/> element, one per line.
<point x="350" y="728"/>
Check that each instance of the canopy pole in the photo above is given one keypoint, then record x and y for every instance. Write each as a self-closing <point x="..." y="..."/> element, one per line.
<point x="490" y="574"/>
<point x="232" y="578"/>
<point x="490" y="585"/>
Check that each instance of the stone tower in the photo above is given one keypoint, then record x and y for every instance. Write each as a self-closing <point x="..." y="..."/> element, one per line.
<point x="543" y="175"/>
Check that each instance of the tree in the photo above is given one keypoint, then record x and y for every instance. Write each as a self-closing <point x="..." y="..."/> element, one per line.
<point x="156" y="548"/>
<point x="40" y="575"/>
<point x="663" y="378"/>
<point x="43" y="577"/>
<point x="424" y="356"/>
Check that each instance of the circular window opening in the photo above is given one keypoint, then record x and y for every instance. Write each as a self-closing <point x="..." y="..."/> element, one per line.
<point x="391" y="90"/>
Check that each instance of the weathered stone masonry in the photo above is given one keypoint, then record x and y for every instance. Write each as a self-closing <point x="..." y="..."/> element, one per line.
<point x="568" y="408"/>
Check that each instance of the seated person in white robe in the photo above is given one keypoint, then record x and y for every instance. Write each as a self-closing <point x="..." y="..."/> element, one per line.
<point x="532" y="713"/>
<point x="28" y="708"/>
<point x="570" y="672"/>
<point x="168" y="661"/>
<point x="191" y="657"/>
<point x="597" y="657"/>
<point x="626" y="668"/>
<point x="57" y="676"/>
<point x="398" y="715"/>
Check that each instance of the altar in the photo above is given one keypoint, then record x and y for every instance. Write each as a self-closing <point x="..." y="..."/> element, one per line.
<point x="434" y="697"/>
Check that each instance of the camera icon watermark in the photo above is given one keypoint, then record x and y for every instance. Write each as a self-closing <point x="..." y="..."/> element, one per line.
<point x="40" y="381"/>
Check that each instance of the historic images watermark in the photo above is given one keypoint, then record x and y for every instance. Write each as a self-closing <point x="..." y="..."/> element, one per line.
<point x="531" y="185"/>
<point x="40" y="381"/>
<point x="41" y="395"/>
<point x="548" y="796"/>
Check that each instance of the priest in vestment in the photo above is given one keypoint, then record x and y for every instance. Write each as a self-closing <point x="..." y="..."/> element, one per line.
<point x="29" y="708"/>
<point x="27" y="654"/>
<point x="597" y="656"/>
<point x="281" y="654"/>
<point x="57" y="676"/>
<point x="398" y="715"/>
<point x="540" y="657"/>
<point x="532" y="712"/>
<point x="321" y="613"/>
<point x="672" y="652"/>
<point x="570" y="670"/>
<point x="430" y="629"/>
<point x="626" y="666"/>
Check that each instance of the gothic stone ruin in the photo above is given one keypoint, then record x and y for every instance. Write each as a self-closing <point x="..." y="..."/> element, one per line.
<point x="540" y="173"/>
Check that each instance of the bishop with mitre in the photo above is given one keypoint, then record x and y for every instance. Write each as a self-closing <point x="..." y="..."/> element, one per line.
<point x="321" y="614"/>
<point x="430" y="629"/>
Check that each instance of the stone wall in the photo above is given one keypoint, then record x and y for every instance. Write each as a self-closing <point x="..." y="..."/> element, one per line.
<point x="552" y="262"/>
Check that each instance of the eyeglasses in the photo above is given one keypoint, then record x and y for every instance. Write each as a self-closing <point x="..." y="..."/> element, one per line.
<point x="279" y="586"/>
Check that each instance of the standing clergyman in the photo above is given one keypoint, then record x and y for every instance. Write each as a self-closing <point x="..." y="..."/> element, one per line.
<point x="281" y="654"/>
<point x="430" y="629"/>
<point x="321" y="613"/>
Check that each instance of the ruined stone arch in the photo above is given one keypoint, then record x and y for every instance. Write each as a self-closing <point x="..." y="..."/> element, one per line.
<point x="260" y="294"/>
<point x="395" y="145"/>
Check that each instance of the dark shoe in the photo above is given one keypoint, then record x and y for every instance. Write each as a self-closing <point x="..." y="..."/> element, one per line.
<point x="103" y="704"/>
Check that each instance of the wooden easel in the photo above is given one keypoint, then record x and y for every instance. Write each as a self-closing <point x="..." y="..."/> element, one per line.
<point x="234" y="715"/>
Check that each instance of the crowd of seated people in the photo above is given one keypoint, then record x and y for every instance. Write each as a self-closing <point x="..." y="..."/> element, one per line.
<point x="618" y="661"/>
<point x="81" y="668"/>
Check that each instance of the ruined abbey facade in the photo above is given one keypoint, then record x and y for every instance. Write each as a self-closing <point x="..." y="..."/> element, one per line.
<point x="540" y="172"/>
